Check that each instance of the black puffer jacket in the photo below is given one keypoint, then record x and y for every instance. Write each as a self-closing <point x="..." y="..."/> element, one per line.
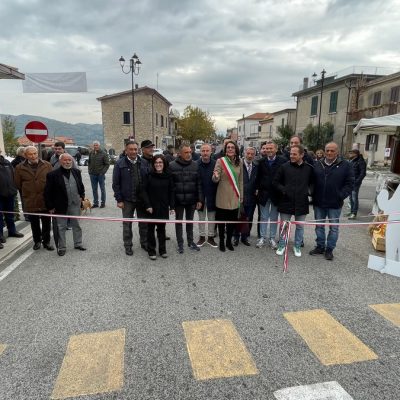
<point x="360" y="170"/>
<point x="7" y="186"/>
<point x="187" y="183"/>
<point x="294" y="183"/>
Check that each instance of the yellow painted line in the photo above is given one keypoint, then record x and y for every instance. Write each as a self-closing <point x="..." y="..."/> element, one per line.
<point x="2" y="348"/>
<point x="93" y="363"/>
<point x="329" y="340"/>
<point x="388" y="311"/>
<point x="216" y="350"/>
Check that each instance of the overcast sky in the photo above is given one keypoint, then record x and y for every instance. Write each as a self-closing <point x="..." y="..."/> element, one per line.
<point x="230" y="57"/>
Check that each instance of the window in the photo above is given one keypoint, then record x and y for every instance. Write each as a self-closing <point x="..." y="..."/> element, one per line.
<point x="156" y="119"/>
<point x="283" y="122"/>
<point x="394" y="98"/>
<point x="162" y="120"/>
<point x="127" y="117"/>
<point x="240" y="128"/>
<point x="377" y="98"/>
<point x="314" y="105"/>
<point x="371" y="142"/>
<point x="333" y="102"/>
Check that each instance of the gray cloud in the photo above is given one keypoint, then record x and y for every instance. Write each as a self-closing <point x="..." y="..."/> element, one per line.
<point x="230" y="57"/>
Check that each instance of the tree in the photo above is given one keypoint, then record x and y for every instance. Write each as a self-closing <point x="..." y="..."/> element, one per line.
<point x="313" y="141"/>
<point x="285" y="133"/>
<point x="10" y="142"/>
<point x="196" y="124"/>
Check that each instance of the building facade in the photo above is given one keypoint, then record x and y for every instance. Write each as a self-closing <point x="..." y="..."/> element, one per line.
<point x="270" y="125"/>
<point x="249" y="129"/>
<point x="152" y="116"/>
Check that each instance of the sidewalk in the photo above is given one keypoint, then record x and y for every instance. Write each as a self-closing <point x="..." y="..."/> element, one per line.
<point x="13" y="245"/>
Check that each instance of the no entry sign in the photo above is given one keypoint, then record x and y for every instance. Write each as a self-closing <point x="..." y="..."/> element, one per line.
<point x="36" y="131"/>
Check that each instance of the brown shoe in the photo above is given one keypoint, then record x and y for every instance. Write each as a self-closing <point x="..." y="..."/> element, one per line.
<point x="211" y="242"/>
<point x="201" y="241"/>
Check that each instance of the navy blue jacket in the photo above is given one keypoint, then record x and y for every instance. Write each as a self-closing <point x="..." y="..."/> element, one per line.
<point x="265" y="176"/>
<point x="208" y="186"/>
<point x="249" y="184"/>
<point x="332" y="184"/>
<point x="360" y="170"/>
<point x="124" y="189"/>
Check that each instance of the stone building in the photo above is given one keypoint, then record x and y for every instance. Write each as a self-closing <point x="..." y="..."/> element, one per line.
<point x="281" y="118"/>
<point x="152" y="112"/>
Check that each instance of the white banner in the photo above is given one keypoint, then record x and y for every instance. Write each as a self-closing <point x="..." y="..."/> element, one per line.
<point x="63" y="82"/>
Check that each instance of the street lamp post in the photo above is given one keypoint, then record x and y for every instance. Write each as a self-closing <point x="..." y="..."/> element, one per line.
<point x="134" y="68"/>
<point x="323" y="72"/>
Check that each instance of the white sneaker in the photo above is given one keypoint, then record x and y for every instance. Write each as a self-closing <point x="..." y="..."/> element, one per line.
<point x="273" y="244"/>
<point x="280" y="251"/>
<point x="260" y="243"/>
<point x="297" y="251"/>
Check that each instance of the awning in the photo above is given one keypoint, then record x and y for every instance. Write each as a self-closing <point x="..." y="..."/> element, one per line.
<point x="379" y="124"/>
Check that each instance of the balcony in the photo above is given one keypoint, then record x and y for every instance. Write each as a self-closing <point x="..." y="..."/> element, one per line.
<point x="374" y="111"/>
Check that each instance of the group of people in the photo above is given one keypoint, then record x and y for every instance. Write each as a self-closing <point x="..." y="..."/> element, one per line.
<point x="221" y="187"/>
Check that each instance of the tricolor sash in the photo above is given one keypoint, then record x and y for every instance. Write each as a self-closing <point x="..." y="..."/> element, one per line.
<point x="233" y="179"/>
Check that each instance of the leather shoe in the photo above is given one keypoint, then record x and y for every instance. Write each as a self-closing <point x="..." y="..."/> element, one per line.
<point x="80" y="248"/>
<point x="235" y="242"/>
<point x="17" y="235"/>
<point x="2" y="239"/>
<point x="1" y="246"/>
<point x="48" y="246"/>
<point x="129" y="251"/>
<point x="36" y="246"/>
<point x="144" y="247"/>
<point x="95" y="206"/>
<point x="61" y="252"/>
<point x="246" y="242"/>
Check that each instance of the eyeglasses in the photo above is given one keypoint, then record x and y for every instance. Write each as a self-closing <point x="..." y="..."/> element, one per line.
<point x="158" y="162"/>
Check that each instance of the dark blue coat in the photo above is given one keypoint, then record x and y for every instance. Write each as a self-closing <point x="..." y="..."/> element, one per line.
<point x="360" y="170"/>
<point x="249" y="185"/>
<point x="265" y="176"/>
<point x="209" y="187"/>
<point x="124" y="187"/>
<point x="332" y="184"/>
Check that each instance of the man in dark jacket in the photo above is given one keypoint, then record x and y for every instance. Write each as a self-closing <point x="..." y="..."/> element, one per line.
<point x="333" y="182"/>
<point x="209" y="189"/>
<point x="267" y="194"/>
<point x="147" y="148"/>
<point x="98" y="165"/>
<point x="8" y="191"/>
<point x="127" y="180"/>
<point x="295" y="141"/>
<point x="63" y="194"/>
<point x="169" y="153"/>
<point x="294" y="180"/>
<point x="249" y="194"/>
<point x="30" y="179"/>
<point x="360" y="170"/>
<point x="188" y="194"/>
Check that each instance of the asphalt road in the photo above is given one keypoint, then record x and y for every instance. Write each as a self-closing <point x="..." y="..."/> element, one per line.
<point x="146" y="314"/>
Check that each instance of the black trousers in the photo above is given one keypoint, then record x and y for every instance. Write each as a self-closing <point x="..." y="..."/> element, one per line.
<point x="226" y="215"/>
<point x="189" y="214"/>
<point x="151" y="239"/>
<point x="40" y="234"/>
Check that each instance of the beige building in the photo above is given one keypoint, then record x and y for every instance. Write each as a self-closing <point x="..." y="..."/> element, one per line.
<point x="377" y="98"/>
<point x="152" y="112"/>
<point x="249" y="129"/>
<point x="338" y="94"/>
<point x="270" y="124"/>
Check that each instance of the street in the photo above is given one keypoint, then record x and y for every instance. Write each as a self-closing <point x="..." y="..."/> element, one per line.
<point x="200" y="325"/>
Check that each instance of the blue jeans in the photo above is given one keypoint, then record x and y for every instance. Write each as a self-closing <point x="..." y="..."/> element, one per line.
<point x="354" y="200"/>
<point x="299" y="234"/>
<point x="268" y="212"/>
<point x="100" y="181"/>
<point x="333" y="215"/>
<point x="7" y="204"/>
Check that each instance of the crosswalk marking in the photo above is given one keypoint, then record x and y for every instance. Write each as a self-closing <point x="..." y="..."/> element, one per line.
<point x="319" y="391"/>
<point x="216" y="350"/>
<point x="93" y="363"/>
<point x="388" y="311"/>
<point x="2" y="348"/>
<point x="329" y="340"/>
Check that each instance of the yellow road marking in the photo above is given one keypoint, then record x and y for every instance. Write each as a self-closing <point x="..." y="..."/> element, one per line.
<point x="330" y="341"/>
<point x="93" y="363"/>
<point x="2" y="348"/>
<point x="389" y="311"/>
<point x="216" y="350"/>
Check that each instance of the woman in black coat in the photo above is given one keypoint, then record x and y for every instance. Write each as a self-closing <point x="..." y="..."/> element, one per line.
<point x="158" y="197"/>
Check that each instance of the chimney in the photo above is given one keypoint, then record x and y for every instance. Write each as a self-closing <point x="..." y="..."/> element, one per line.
<point x="305" y="83"/>
<point x="136" y="86"/>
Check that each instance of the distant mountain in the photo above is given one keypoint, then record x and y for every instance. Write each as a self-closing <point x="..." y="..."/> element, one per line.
<point x="83" y="134"/>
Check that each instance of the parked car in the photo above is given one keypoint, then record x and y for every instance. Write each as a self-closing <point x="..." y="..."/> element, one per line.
<point x="157" y="151"/>
<point x="84" y="161"/>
